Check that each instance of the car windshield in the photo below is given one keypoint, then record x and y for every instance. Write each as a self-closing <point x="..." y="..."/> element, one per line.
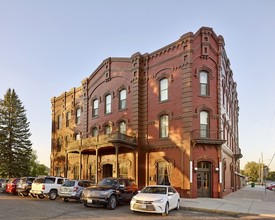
<point x="154" y="190"/>
<point x="69" y="183"/>
<point x="39" y="180"/>
<point x="108" y="182"/>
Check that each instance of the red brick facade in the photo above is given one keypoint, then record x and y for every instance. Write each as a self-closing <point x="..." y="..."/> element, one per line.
<point x="179" y="125"/>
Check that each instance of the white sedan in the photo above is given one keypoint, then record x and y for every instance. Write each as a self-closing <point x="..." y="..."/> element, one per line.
<point x="156" y="199"/>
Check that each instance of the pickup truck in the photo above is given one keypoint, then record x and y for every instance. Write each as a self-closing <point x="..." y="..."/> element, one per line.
<point x="47" y="186"/>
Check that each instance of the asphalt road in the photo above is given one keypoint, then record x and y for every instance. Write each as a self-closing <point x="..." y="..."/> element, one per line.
<point x="17" y="208"/>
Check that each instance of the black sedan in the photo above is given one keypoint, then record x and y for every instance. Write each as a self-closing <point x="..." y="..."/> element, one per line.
<point x="109" y="192"/>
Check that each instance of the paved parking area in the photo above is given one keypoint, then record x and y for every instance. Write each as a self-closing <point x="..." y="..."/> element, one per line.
<point x="17" y="208"/>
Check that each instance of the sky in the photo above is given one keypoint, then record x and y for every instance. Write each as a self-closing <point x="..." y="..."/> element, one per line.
<point x="48" y="47"/>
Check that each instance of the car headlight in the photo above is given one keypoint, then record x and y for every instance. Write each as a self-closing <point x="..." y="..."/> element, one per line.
<point x="133" y="200"/>
<point x="104" y="193"/>
<point x="159" y="201"/>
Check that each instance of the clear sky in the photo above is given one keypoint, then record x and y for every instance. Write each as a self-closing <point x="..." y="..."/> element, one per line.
<point x="48" y="46"/>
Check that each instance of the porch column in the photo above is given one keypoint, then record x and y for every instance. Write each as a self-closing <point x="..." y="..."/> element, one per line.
<point x="80" y="165"/>
<point x="117" y="168"/>
<point x="135" y="166"/>
<point x="66" y="165"/>
<point x="96" y="165"/>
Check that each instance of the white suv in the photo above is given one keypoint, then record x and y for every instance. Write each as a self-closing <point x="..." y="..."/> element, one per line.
<point x="46" y="186"/>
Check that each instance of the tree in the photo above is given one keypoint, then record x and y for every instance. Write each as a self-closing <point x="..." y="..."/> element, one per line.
<point x="271" y="176"/>
<point x="15" y="145"/>
<point x="251" y="169"/>
<point x="37" y="168"/>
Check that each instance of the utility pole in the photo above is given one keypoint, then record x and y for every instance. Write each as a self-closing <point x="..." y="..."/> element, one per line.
<point x="262" y="170"/>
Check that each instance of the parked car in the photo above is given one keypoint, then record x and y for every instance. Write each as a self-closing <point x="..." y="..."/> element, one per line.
<point x="109" y="192"/>
<point x="3" y="183"/>
<point x="11" y="185"/>
<point x="271" y="186"/>
<point x="24" y="185"/>
<point x="156" y="199"/>
<point x="46" y="186"/>
<point x="72" y="189"/>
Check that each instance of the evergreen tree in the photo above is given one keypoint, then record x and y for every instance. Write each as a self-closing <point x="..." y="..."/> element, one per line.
<point x="15" y="146"/>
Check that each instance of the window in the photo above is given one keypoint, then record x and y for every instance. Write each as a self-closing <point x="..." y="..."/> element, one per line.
<point x="122" y="127"/>
<point x="94" y="131"/>
<point x="77" y="137"/>
<point x="68" y="118"/>
<point x="78" y="114"/>
<point x="107" y="129"/>
<point x="91" y="174"/>
<point x="204" y="90"/>
<point x="204" y="124"/>
<point x="163" y="89"/>
<point x="164" y="126"/>
<point x="95" y="108"/>
<point x="67" y="139"/>
<point x="59" y="145"/>
<point x="163" y="173"/>
<point x="122" y="99"/>
<point x="59" y="122"/>
<point x="76" y="172"/>
<point x="108" y="104"/>
<point x="123" y="170"/>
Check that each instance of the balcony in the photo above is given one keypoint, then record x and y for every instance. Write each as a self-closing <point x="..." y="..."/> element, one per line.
<point x="117" y="137"/>
<point x="204" y="136"/>
<point x="238" y="153"/>
<point x="106" y="139"/>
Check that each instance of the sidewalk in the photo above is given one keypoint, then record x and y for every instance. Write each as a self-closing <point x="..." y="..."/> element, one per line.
<point x="249" y="200"/>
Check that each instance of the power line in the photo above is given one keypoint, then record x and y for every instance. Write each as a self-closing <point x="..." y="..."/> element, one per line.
<point x="271" y="159"/>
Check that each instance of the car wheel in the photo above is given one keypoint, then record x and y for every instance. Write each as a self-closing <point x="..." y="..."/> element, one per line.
<point x="33" y="196"/>
<point x="40" y="196"/>
<point x="112" y="202"/>
<point x="166" y="211"/>
<point x="85" y="204"/>
<point x="52" y="194"/>
<point x="178" y="205"/>
<point x="65" y="199"/>
<point x="25" y="194"/>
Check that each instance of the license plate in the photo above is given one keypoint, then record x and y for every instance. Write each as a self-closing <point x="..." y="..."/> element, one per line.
<point x="143" y="206"/>
<point x="89" y="201"/>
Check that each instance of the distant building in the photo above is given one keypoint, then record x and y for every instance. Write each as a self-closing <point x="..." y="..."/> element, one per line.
<point x="166" y="117"/>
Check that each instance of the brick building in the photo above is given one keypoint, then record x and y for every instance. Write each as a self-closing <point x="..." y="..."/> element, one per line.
<point x="166" y="117"/>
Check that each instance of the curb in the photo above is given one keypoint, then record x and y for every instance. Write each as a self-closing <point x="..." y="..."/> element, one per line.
<point x="229" y="213"/>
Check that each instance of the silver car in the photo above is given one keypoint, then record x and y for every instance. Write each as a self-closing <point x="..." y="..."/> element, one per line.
<point x="72" y="189"/>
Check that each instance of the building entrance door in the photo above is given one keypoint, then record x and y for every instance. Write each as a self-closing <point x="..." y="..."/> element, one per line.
<point x="204" y="175"/>
<point x="107" y="170"/>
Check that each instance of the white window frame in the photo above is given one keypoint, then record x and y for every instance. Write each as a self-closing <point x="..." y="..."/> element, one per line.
<point x="164" y="126"/>
<point x="163" y="89"/>
<point x="108" y="104"/>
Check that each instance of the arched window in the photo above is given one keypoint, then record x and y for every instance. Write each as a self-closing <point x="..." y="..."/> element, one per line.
<point x="122" y="127"/>
<point x="108" y="104"/>
<point x="68" y="118"/>
<point x="204" y="83"/>
<point x="122" y="99"/>
<point x="163" y="173"/>
<point x="95" y="108"/>
<point x="59" y="144"/>
<point x="94" y="131"/>
<point x="123" y="170"/>
<point x="77" y="136"/>
<point x="164" y="126"/>
<point x="163" y="89"/>
<point x="77" y="116"/>
<point x="204" y="124"/>
<point x="59" y="122"/>
<point x="107" y="129"/>
<point x="67" y="139"/>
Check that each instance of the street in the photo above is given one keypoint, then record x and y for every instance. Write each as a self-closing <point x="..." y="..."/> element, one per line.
<point x="17" y="207"/>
